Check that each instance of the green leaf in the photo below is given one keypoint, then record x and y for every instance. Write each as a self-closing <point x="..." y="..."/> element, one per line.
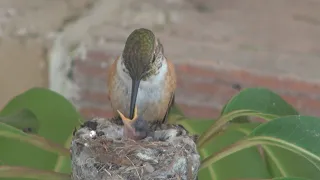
<point x="289" y="178"/>
<point x="282" y="162"/>
<point x="15" y="134"/>
<point x="57" y="118"/>
<point x="63" y="164"/>
<point x="257" y="102"/>
<point x="242" y="119"/>
<point x="298" y="134"/>
<point x="304" y="133"/>
<point x="218" y="125"/>
<point x="175" y="114"/>
<point x="27" y="173"/>
<point x="261" y="100"/>
<point x="23" y="119"/>
<point x="233" y="167"/>
<point x="195" y="127"/>
<point x="176" y="110"/>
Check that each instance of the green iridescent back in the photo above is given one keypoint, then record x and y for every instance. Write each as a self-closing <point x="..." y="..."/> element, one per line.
<point x="138" y="52"/>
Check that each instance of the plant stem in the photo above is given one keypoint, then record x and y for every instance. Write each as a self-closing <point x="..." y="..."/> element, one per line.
<point x="38" y="142"/>
<point x="206" y="137"/>
<point x="215" y="127"/>
<point x="260" y="140"/>
<point x="238" y="146"/>
<point x="25" y="172"/>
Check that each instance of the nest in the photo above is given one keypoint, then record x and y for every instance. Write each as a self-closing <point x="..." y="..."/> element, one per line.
<point x="99" y="151"/>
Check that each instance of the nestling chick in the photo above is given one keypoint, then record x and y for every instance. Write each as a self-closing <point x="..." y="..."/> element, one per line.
<point x="135" y="129"/>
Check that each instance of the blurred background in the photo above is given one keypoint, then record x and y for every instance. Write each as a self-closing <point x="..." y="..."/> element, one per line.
<point x="218" y="47"/>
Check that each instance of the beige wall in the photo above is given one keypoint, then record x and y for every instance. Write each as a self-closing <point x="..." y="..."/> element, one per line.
<point x="22" y="66"/>
<point x="26" y="28"/>
<point x="270" y="37"/>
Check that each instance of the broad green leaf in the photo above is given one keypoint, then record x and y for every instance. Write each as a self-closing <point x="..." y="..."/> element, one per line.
<point x="23" y="119"/>
<point x="303" y="132"/>
<point x="289" y="178"/>
<point x="175" y="110"/>
<point x="232" y="167"/>
<point x="57" y="118"/>
<point x="257" y="102"/>
<point x="29" y="173"/>
<point x="14" y="134"/>
<point x="220" y="124"/>
<point x="260" y="100"/>
<point x="63" y="163"/>
<point x="282" y="162"/>
<point x="196" y="127"/>
<point x="298" y="134"/>
<point x="242" y="119"/>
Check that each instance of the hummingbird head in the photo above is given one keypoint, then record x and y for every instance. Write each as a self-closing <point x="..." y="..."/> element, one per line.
<point x="142" y="57"/>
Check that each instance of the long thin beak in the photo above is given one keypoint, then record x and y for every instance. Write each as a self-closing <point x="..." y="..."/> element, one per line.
<point x="134" y="93"/>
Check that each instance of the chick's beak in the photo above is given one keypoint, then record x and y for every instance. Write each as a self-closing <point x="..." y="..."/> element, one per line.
<point x="129" y="129"/>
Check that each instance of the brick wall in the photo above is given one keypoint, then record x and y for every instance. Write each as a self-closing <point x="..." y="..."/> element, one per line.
<point x="201" y="92"/>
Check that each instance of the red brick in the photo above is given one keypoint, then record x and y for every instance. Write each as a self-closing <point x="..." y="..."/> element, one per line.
<point x="199" y="112"/>
<point x="303" y="104"/>
<point x="96" y="112"/>
<point x="220" y="91"/>
<point x="89" y="70"/>
<point x="95" y="97"/>
<point x="213" y="83"/>
<point x="100" y="56"/>
<point x="243" y="77"/>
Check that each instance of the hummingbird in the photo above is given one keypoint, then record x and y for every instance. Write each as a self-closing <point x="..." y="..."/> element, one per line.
<point x="142" y="76"/>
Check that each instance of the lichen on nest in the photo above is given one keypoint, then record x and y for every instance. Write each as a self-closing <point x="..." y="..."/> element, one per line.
<point x="99" y="151"/>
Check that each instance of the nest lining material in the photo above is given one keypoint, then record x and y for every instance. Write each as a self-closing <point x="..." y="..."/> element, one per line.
<point x="99" y="151"/>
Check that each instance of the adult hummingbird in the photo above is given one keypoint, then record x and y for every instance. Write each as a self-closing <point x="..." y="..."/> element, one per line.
<point x="142" y="76"/>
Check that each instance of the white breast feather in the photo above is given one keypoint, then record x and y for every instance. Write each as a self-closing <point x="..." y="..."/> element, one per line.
<point x="149" y="91"/>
